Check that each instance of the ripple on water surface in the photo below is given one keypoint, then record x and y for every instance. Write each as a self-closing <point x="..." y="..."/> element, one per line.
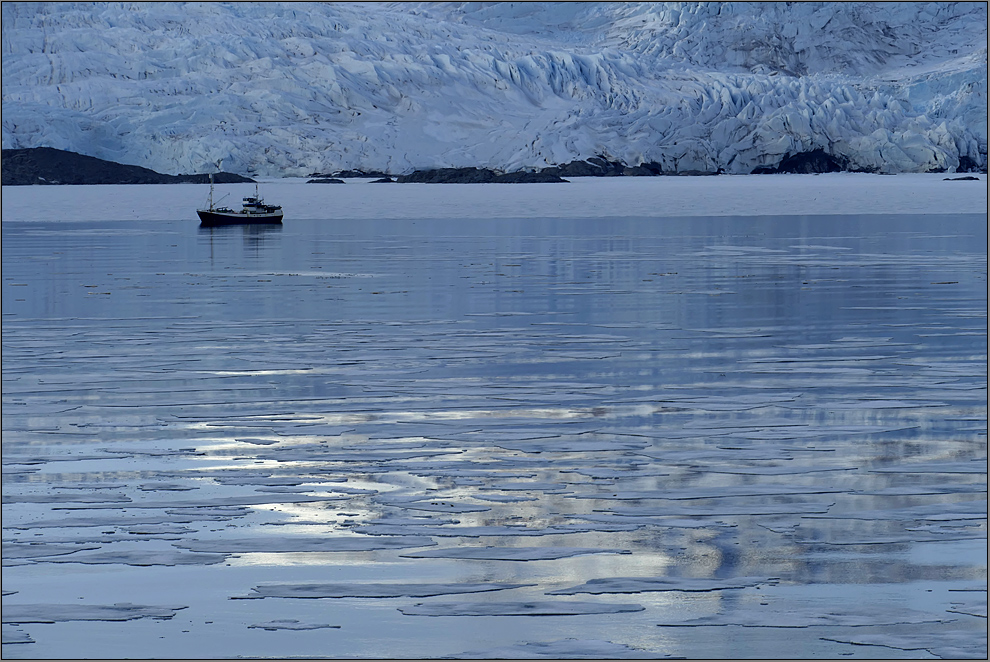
<point x="613" y="436"/>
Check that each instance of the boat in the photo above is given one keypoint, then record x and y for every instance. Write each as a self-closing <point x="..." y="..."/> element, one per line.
<point x="253" y="210"/>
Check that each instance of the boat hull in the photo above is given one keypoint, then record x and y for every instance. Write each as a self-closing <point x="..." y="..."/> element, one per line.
<point x="207" y="217"/>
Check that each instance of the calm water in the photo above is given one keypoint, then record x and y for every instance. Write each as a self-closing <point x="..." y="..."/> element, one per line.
<point x="705" y="437"/>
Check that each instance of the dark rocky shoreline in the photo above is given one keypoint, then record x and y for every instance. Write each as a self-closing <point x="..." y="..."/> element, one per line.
<point x="45" y="165"/>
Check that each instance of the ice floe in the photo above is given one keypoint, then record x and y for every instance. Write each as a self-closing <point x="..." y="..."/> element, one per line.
<point x="509" y="553"/>
<point x="803" y="617"/>
<point x="946" y="644"/>
<point x="645" y="584"/>
<point x="54" y="613"/>
<point x="15" y="636"/>
<point x="141" y="557"/>
<point x="537" y="608"/>
<point x="291" y="624"/>
<point x="354" y="590"/>
<point x="274" y="544"/>
<point x="563" y="649"/>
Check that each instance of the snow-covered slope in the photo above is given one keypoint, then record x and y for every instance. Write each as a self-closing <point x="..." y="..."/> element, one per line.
<point x="289" y="89"/>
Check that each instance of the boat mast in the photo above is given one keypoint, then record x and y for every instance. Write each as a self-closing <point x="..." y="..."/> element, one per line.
<point x="211" y="191"/>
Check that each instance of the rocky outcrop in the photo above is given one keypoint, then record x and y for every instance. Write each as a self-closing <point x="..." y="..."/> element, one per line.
<point x="476" y="176"/>
<point x="449" y="176"/>
<point x="599" y="166"/>
<point x="528" y="178"/>
<point x="349" y="174"/>
<point x="596" y="166"/>
<point x="45" y="165"/>
<point x="967" y="164"/>
<point x="815" y="161"/>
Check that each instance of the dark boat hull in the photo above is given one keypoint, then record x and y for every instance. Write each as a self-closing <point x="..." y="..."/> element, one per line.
<point x="234" y="218"/>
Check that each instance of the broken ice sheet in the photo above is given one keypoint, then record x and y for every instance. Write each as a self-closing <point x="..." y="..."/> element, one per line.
<point x="54" y="613"/>
<point x="15" y="636"/>
<point x="660" y="522"/>
<point x="682" y="444"/>
<point x="509" y="553"/>
<point x="139" y="557"/>
<point x="959" y="511"/>
<point x="278" y="544"/>
<point x="971" y="606"/>
<point x="725" y="492"/>
<point x="914" y="489"/>
<point x="257" y="441"/>
<point x="291" y="624"/>
<point x="319" y="454"/>
<point x="976" y="466"/>
<point x="776" y="470"/>
<point x="564" y="649"/>
<point x="645" y="584"/>
<point x="370" y="590"/>
<point x="809" y="432"/>
<point x="572" y="445"/>
<point x="873" y="404"/>
<point x="166" y="487"/>
<point x="158" y="530"/>
<point x="722" y="510"/>
<point x="311" y="429"/>
<point x="734" y="403"/>
<point x="250" y="478"/>
<point x="628" y="470"/>
<point x="219" y="501"/>
<point x="40" y="550"/>
<point x="946" y="644"/>
<point x="902" y="537"/>
<point x="951" y="528"/>
<point x="538" y="608"/>
<point x="705" y="456"/>
<point x="504" y="498"/>
<point x="434" y="505"/>
<point x="796" y="616"/>
<point x="65" y="498"/>
<point x="480" y="531"/>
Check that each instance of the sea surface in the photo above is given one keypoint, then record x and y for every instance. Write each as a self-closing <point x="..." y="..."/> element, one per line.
<point x="615" y="437"/>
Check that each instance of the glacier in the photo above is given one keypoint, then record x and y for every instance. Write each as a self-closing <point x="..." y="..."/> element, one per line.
<point x="288" y="89"/>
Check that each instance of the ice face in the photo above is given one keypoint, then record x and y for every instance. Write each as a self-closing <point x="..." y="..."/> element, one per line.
<point x="893" y="87"/>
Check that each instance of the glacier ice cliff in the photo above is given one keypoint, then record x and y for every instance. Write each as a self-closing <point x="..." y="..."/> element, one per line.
<point x="277" y="89"/>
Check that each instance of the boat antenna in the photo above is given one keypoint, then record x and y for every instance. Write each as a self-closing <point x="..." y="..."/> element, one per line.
<point x="218" y="164"/>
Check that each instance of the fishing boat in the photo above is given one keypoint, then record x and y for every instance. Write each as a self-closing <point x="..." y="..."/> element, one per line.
<point x="253" y="210"/>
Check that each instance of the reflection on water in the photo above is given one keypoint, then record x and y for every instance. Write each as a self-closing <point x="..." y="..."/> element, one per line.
<point x="797" y="405"/>
<point x="255" y="237"/>
<point x="252" y="233"/>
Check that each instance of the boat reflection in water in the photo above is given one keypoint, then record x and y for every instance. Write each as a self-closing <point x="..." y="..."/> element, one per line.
<point x="255" y="237"/>
<point x="253" y="211"/>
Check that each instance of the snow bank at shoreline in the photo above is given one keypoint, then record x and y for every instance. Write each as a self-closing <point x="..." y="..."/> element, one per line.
<point x="589" y="197"/>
